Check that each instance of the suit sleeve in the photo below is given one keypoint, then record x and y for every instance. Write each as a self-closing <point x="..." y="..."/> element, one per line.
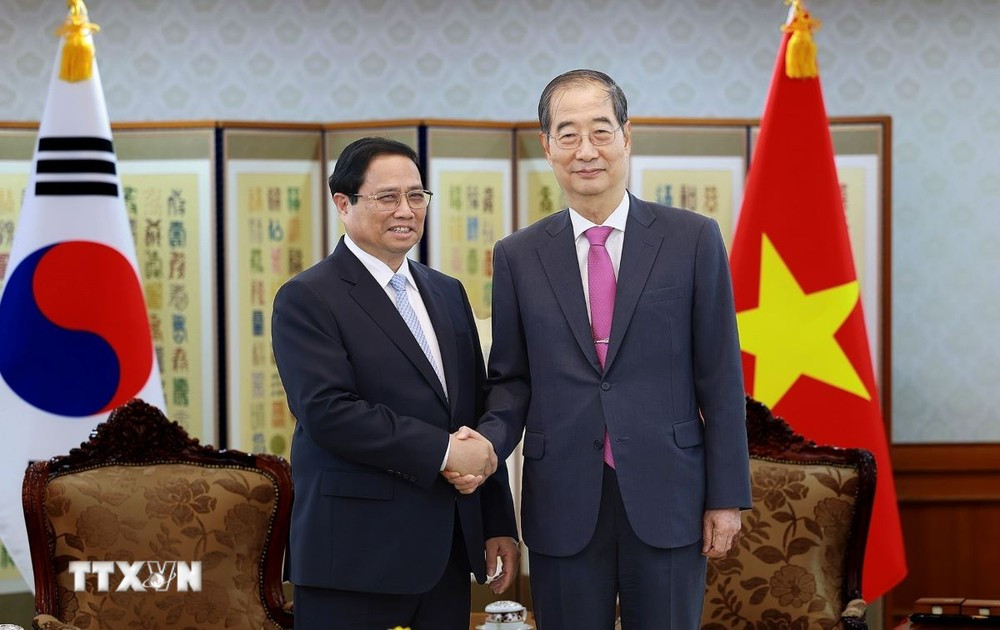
<point x="495" y="501"/>
<point x="509" y="379"/>
<point x="318" y="378"/>
<point x="718" y="375"/>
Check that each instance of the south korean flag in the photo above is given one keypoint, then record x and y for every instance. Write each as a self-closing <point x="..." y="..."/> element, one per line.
<point x="74" y="335"/>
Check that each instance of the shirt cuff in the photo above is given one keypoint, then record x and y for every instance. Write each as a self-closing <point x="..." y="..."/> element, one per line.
<point x="447" y="452"/>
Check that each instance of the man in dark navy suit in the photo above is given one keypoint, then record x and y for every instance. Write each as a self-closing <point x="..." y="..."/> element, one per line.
<point x="383" y="371"/>
<point x="615" y="352"/>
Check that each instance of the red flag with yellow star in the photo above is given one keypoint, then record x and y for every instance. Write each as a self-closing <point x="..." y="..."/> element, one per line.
<point x="802" y="330"/>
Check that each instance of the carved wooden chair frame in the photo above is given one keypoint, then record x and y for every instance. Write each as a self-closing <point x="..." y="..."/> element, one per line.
<point x="771" y="438"/>
<point x="139" y="434"/>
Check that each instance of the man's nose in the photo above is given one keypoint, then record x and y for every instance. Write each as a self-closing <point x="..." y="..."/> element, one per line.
<point x="586" y="150"/>
<point x="403" y="210"/>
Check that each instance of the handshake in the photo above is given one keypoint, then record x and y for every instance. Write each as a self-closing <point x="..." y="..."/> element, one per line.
<point x="471" y="459"/>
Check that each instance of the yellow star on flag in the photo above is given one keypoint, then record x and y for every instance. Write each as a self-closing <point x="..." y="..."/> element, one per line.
<point x="791" y="334"/>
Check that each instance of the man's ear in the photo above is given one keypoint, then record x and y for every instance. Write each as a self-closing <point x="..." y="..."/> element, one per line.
<point x="543" y="139"/>
<point x="341" y="202"/>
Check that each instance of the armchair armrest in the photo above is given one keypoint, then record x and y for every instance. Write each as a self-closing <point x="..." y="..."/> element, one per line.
<point x="853" y="617"/>
<point x="48" y="622"/>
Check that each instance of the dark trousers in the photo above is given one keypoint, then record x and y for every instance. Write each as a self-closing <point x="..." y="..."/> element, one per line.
<point x="444" y="607"/>
<point x="658" y="589"/>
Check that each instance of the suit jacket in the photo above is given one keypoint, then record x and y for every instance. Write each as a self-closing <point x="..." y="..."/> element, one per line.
<point x="371" y="511"/>
<point x="670" y="394"/>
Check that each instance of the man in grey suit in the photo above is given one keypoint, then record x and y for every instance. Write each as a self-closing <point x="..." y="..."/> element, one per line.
<point x="382" y="366"/>
<point x="615" y="350"/>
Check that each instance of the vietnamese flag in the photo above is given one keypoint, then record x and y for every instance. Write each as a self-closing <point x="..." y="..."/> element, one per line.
<point x="802" y="330"/>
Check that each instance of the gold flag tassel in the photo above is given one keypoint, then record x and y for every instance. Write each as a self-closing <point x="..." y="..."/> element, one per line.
<point x="77" y="62"/>
<point x="800" y="55"/>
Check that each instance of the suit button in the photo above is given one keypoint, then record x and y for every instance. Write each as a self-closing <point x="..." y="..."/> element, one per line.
<point x="605" y="386"/>
<point x="598" y="444"/>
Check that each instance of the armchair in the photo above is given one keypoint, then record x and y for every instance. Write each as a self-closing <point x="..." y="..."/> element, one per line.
<point x="799" y="558"/>
<point x="151" y="502"/>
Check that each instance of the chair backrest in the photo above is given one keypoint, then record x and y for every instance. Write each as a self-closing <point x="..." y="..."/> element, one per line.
<point x="142" y="492"/>
<point x="801" y="550"/>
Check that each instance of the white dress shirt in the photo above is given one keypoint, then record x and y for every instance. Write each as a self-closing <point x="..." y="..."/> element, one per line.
<point x="614" y="244"/>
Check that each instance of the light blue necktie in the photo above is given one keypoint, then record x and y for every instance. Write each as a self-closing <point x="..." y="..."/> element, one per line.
<point x="398" y="282"/>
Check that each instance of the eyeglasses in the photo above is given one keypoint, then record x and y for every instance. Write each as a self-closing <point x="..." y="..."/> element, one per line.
<point x="572" y="140"/>
<point x="389" y="201"/>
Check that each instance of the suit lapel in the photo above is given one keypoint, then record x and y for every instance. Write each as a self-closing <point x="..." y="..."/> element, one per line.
<point x="373" y="299"/>
<point x="638" y="253"/>
<point x="562" y="268"/>
<point x="444" y="330"/>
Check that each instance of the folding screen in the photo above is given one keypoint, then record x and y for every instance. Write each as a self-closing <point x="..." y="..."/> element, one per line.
<point x="168" y="182"/>
<point x="272" y="221"/>
<point x="469" y="168"/>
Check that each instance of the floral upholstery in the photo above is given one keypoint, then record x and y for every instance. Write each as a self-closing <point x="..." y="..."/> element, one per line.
<point x="216" y="515"/>
<point x="222" y="513"/>
<point x="798" y="561"/>
<point x="787" y="569"/>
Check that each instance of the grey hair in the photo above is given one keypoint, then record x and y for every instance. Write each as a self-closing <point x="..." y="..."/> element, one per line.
<point x="576" y="78"/>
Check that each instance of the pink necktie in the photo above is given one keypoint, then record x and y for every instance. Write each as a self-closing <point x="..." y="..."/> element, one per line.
<point x="601" y="286"/>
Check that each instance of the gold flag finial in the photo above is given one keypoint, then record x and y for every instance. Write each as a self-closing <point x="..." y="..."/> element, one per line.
<point x="800" y="55"/>
<point x="78" y="52"/>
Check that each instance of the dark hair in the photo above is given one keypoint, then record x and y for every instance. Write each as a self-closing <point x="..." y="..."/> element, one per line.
<point x="349" y="174"/>
<point x="575" y="78"/>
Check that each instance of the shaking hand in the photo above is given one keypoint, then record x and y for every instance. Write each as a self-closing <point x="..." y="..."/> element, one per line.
<point x="471" y="459"/>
